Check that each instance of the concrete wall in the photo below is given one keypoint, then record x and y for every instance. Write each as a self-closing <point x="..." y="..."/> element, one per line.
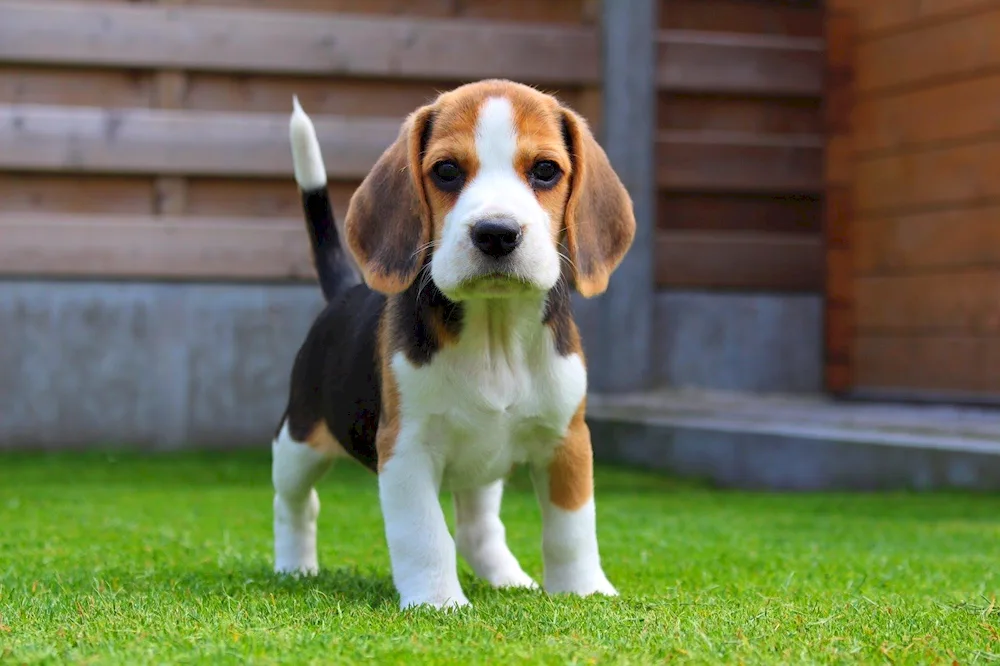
<point x="168" y="365"/>
<point x="147" y="365"/>
<point x="739" y="342"/>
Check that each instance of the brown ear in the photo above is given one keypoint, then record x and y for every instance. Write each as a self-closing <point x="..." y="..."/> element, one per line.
<point x="599" y="221"/>
<point x="388" y="223"/>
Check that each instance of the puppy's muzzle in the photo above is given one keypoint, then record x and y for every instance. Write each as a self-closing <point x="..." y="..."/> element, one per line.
<point x="496" y="237"/>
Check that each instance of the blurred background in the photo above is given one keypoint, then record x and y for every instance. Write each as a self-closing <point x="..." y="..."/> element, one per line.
<point x="813" y="300"/>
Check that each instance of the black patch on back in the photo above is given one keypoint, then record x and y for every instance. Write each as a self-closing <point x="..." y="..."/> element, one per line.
<point x="559" y="312"/>
<point x="336" y="375"/>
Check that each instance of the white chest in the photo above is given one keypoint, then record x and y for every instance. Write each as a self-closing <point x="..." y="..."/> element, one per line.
<point x="481" y="411"/>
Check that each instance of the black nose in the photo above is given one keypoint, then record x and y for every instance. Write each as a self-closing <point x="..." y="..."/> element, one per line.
<point x="496" y="236"/>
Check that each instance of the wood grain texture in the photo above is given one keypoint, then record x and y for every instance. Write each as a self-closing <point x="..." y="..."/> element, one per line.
<point x="739" y="162"/>
<point x="153" y="247"/>
<point x="933" y="52"/>
<point x="729" y="113"/>
<point x="839" y="172"/>
<point x="740" y="64"/>
<point x="946" y="364"/>
<point x="745" y="260"/>
<point x="80" y="139"/>
<point x="735" y="212"/>
<point x="948" y="176"/>
<point x="919" y="119"/>
<point x="244" y="40"/>
<point x="931" y="304"/>
<point x="742" y="17"/>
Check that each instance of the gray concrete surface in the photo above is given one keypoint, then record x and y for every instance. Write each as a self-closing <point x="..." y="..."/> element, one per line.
<point x="170" y="365"/>
<point x="146" y="365"/>
<point x="799" y="443"/>
<point x="739" y="342"/>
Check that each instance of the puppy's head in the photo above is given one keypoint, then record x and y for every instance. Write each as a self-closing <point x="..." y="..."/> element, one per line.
<point x="488" y="188"/>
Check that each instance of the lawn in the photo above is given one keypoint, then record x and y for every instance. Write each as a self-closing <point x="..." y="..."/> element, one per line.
<point x="128" y="559"/>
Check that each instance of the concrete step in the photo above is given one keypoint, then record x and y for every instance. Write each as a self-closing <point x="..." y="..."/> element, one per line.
<point x="778" y="442"/>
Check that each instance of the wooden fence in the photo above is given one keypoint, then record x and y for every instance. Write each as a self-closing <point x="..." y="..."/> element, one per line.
<point x="172" y="121"/>
<point x="148" y="139"/>
<point x="915" y="200"/>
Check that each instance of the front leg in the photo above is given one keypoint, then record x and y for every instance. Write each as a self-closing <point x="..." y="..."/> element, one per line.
<point x="565" y="490"/>
<point x="422" y="552"/>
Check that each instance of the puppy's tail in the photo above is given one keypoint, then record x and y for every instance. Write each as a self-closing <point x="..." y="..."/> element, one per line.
<point x="333" y="266"/>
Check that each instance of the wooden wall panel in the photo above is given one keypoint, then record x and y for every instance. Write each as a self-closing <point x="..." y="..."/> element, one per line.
<point x="925" y="260"/>
<point x="161" y="143"/>
<point x="740" y="155"/>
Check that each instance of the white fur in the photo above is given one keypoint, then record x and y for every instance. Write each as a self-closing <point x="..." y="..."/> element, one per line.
<point x="295" y="469"/>
<point x="500" y="395"/>
<point x="481" y="537"/>
<point x="569" y="545"/>
<point x="496" y="190"/>
<point x="310" y="172"/>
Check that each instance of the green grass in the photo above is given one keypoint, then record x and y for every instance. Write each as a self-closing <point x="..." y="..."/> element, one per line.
<point x="126" y="559"/>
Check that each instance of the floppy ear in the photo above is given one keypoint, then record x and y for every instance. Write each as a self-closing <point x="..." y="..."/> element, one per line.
<point x="388" y="223"/>
<point x="599" y="221"/>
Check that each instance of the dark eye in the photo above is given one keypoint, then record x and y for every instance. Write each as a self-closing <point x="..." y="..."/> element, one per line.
<point x="545" y="174"/>
<point x="448" y="175"/>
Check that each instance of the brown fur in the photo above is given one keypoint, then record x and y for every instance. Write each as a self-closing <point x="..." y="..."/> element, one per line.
<point x="322" y="440"/>
<point x="388" y="222"/>
<point x="571" y="472"/>
<point x="600" y="224"/>
<point x="388" y="423"/>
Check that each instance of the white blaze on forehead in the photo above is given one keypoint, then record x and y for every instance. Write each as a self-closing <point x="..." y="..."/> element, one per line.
<point x="496" y="189"/>
<point x="496" y="135"/>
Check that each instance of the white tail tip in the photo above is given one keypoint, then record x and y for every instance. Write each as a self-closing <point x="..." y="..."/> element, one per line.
<point x="310" y="173"/>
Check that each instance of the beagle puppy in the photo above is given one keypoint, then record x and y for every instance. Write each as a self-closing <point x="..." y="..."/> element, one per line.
<point x="454" y="356"/>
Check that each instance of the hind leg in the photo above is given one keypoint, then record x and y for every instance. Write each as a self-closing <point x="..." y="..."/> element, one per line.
<point x="480" y="537"/>
<point x="295" y="469"/>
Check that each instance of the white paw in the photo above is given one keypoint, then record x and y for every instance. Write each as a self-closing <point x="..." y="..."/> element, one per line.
<point x="584" y="586"/>
<point x="513" y="577"/>
<point x="292" y="569"/>
<point x="440" y="603"/>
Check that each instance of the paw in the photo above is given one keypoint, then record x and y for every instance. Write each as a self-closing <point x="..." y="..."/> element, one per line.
<point x="512" y="578"/>
<point x="437" y="602"/>
<point x="582" y="585"/>
<point x="296" y="569"/>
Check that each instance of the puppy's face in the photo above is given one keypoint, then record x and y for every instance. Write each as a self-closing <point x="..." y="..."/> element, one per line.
<point x="496" y="171"/>
<point x="488" y="189"/>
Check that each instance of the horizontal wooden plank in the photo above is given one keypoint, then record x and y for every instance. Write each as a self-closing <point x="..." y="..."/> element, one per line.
<point x="951" y="111"/>
<point x="879" y="18"/>
<point x="76" y="193"/>
<point x="940" y="177"/>
<point x="139" y="247"/>
<point x="740" y="162"/>
<point x="268" y="198"/>
<point x="934" y="241"/>
<point x="552" y="11"/>
<point x="745" y="261"/>
<point x="947" y="364"/>
<point x="214" y="39"/>
<point x="731" y="63"/>
<point x="730" y="113"/>
<point x="77" y="86"/>
<point x="734" y="212"/>
<point x="741" y="16"/>
<point x="179" y="142"/>
<point x="955" y="302"/>
<point x="930" y="53"/>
